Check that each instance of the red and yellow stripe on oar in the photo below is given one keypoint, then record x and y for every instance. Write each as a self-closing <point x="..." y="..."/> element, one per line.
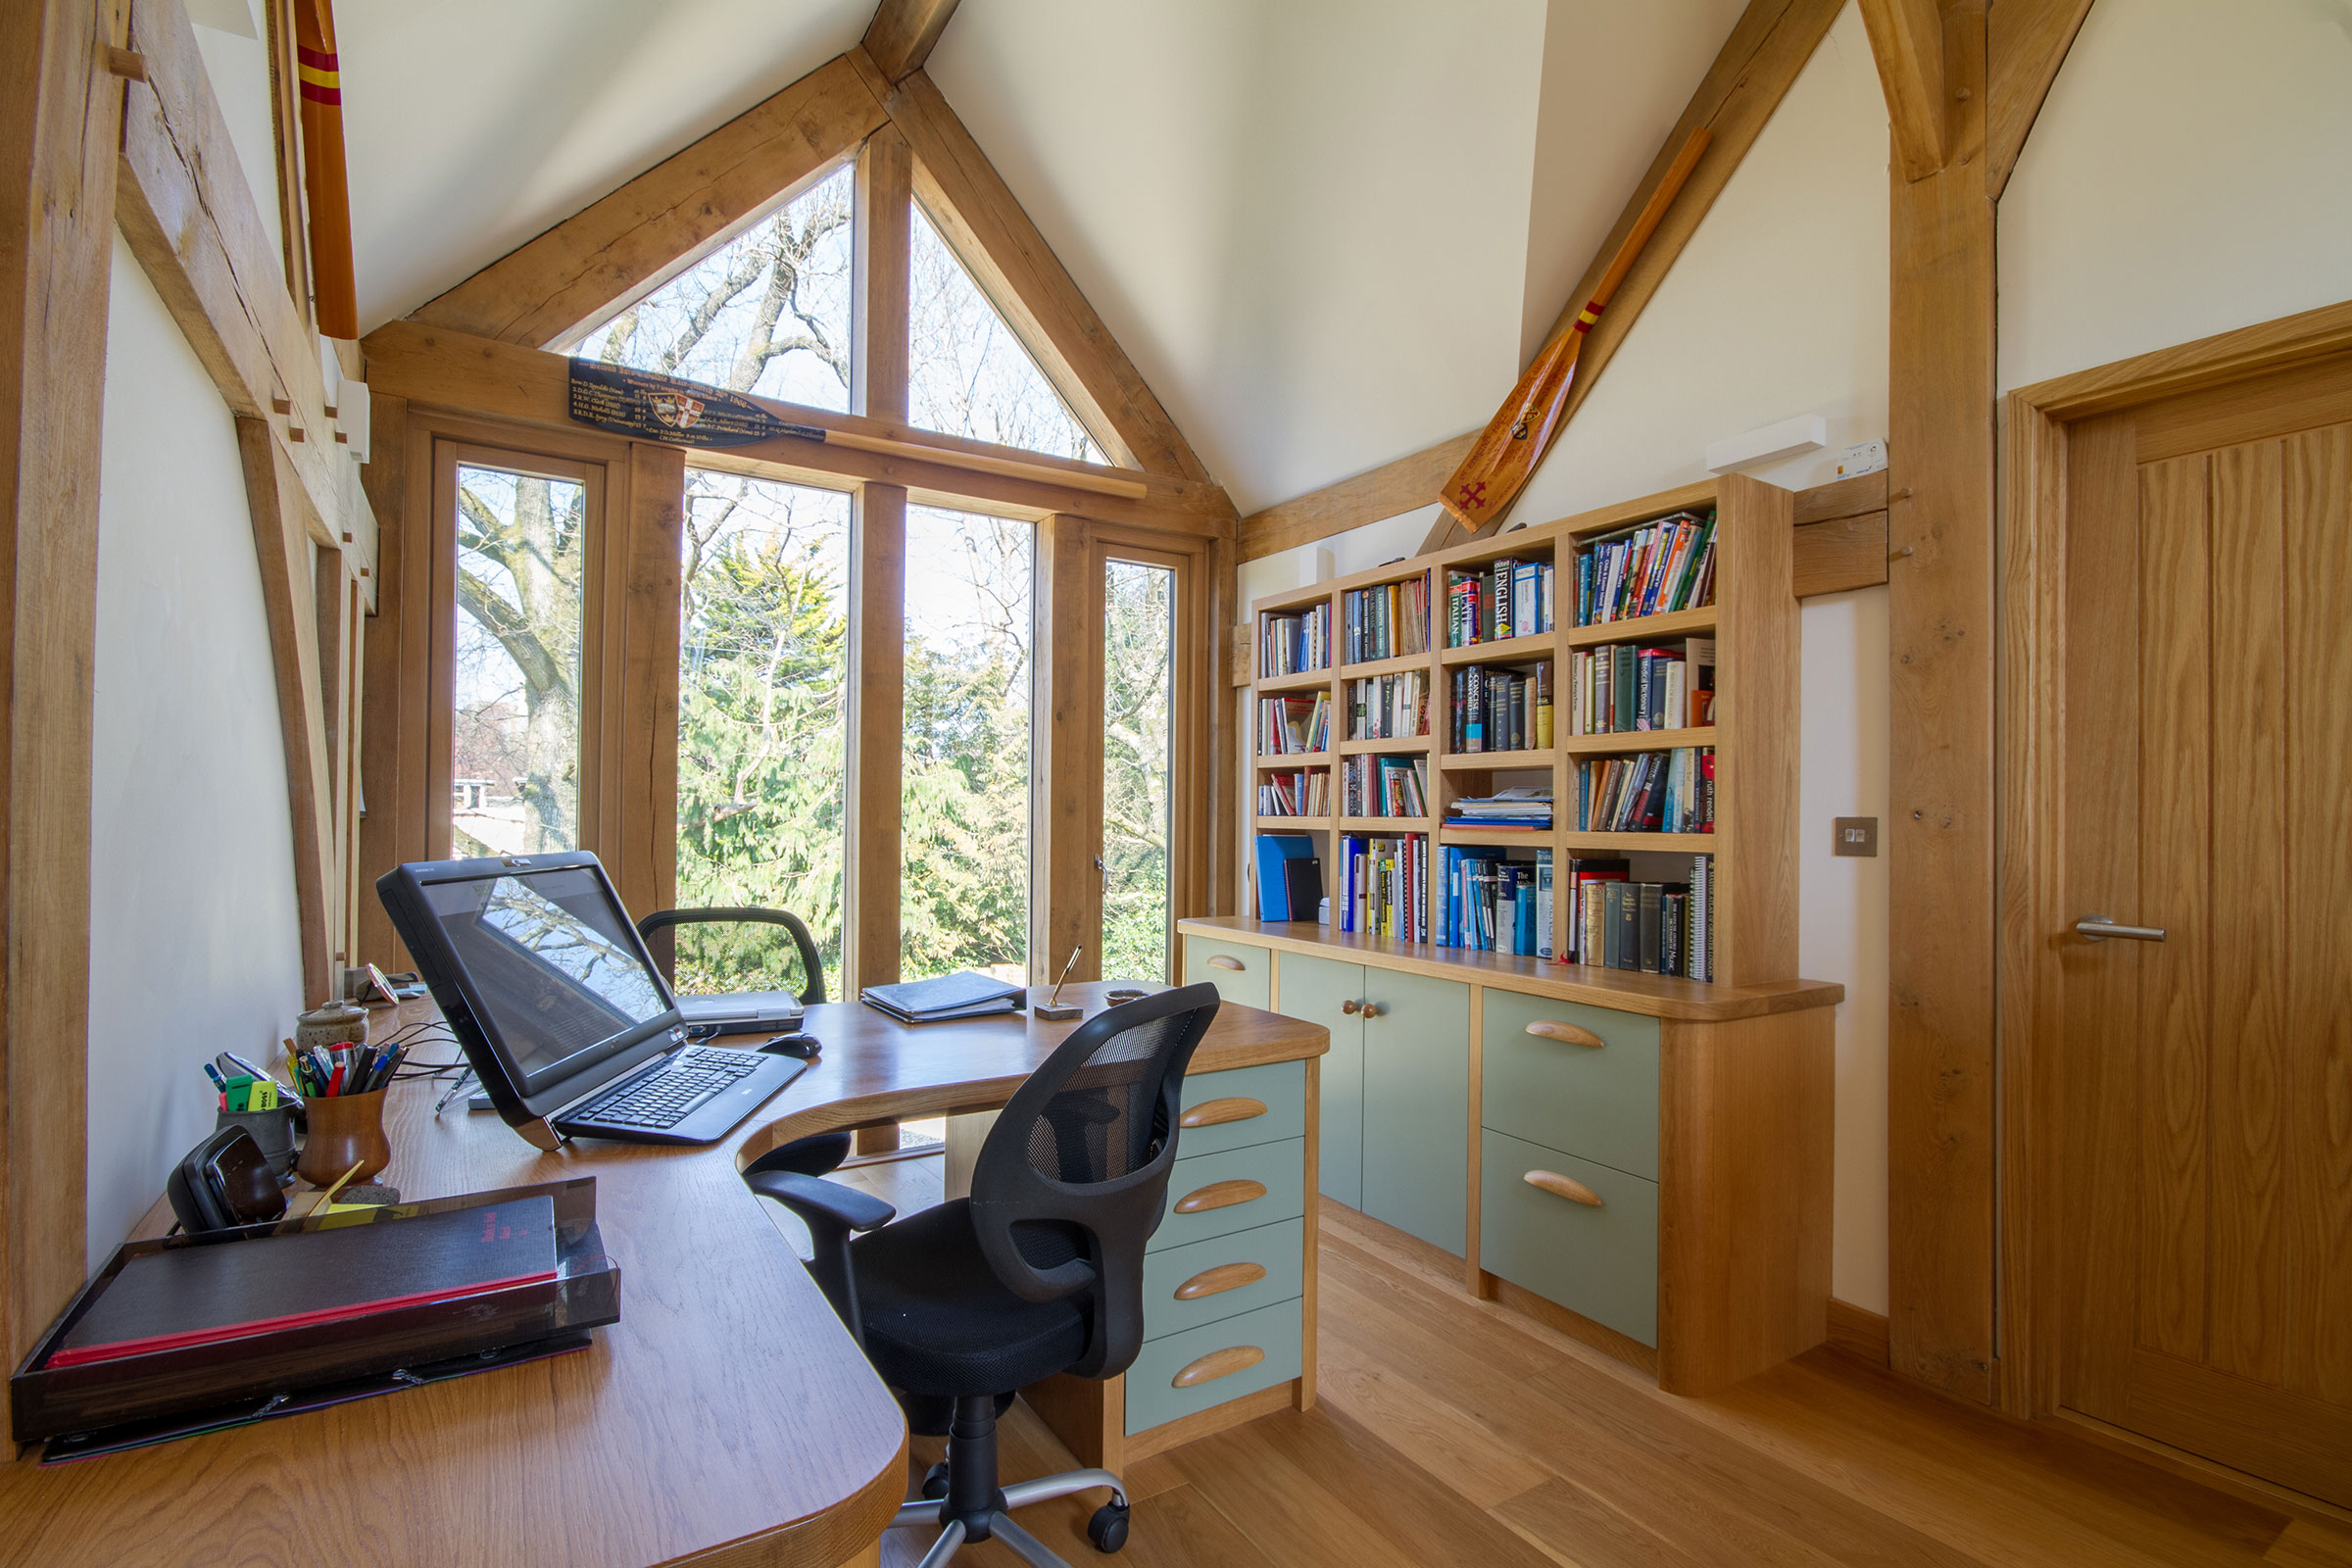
<point x="332" y="293"/>
<point x="1515" y="440"/>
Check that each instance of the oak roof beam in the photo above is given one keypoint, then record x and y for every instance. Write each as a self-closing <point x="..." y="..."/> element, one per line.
<point x="903" y="33"/>
<point x="659" y="223"/>
<point x="1906" y="37"/>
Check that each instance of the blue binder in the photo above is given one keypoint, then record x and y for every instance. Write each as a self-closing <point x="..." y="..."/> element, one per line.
<point x="1273" y="883"/>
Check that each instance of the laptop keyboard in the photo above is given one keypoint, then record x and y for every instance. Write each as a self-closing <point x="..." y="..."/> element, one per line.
<point x="669" y="1096"/>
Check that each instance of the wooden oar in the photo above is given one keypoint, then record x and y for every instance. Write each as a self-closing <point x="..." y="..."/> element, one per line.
<point x="1511" y="446"/>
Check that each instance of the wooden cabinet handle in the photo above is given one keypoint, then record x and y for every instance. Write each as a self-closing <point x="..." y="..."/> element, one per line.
<point x="1217" y="1112"/>
<point x="1551" y="1181"/>
<point x="1220" y="1195"/>
<point x="1566" y="1033"/>
<point x="1221" y="961"/>
<point x="1217" y="1364"/>
<point x="1352" y="1007"/>
<point x="1371" y="1010"/>
<point x="1217" y="1280"/>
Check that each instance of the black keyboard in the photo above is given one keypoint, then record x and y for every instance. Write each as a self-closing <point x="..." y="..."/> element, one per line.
<point x="666" y="1097"/>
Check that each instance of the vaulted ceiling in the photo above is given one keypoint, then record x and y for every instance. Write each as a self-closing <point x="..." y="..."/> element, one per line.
<point x="1328" y="232"/>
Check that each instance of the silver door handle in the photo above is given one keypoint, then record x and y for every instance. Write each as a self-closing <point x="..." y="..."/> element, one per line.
<point x="2099" y="928"/>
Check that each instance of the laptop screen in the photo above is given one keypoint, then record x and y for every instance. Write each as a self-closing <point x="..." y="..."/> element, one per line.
<point x="553" y="964"/>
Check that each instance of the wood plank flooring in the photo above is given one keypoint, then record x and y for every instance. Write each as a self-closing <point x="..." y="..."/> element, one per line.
<point x="1452" y="1431"/>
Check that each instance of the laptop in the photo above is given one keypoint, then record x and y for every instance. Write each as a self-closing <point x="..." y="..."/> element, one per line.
<point x="559" y="1008"/>
<point x="735" y="1013"/>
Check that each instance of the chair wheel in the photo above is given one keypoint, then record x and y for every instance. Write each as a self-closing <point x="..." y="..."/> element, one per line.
<point x="1107" y="1529"/>
<point x="935" y="1481"/>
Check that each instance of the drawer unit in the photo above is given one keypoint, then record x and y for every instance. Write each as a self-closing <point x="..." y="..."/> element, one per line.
<point x="1249" y="1105"/>
<point x="1225" y="1276"/>
<point x="1599" y="1258"/>
<point x="1179" y="1374"/>
<point x="1240" y="973"/>
<point x="1544" y="1080"/>
<point x="1239" y="1189"/>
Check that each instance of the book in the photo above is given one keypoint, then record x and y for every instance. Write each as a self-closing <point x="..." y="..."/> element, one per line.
<point x="1544" y="903"/>
<point x="965" y="994"/>
<point x="1273" y="887"/>
<point x="191" y="1296"/>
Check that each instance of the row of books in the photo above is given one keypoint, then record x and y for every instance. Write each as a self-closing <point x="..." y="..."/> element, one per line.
<point x="1307" y="793"/>
<point x="1523" y="808"/>
<point x="1383" y="886"/>
<point x="1388" y="622"/>
<point x="1388" y="707"/>
<point x="1290" y="725"/>
<point x="1501" y="710"/>
<point x="1618" y="688"/>
<point x="1663" y="928"/>
<point x="1648" y="571"/>
<point x="1493" y="904"/>
<point x="1383" y="786"/>
<point x="1650" y="792"/>
<point x="1293" y="641"/>
<point x="1503" y="599"/>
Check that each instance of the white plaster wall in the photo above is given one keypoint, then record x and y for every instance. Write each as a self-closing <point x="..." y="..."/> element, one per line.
<point x="1775" y="307"/>
<point x="194" y="937"/>
<point x="2187" y="174"/>
<point x="229" y="36"/>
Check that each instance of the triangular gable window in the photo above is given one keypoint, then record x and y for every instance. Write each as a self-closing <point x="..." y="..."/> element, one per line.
<point x="768" y="312"/>
<point x="968" y="374"/>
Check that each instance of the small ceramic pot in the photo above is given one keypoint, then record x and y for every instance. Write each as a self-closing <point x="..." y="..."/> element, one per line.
<point x="337" y="1023"/>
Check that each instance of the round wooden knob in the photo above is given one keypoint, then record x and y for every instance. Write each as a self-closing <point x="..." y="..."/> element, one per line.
<point x="1569" y="1033"/>
<point x="1352" y="1007"/>
<point x="1371" y="1010"/>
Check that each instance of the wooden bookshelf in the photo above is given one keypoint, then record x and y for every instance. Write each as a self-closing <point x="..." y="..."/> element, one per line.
<point x="1753" y="622"/>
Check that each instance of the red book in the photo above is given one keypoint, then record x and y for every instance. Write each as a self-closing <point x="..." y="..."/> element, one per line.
<point x="207" y="1293"/>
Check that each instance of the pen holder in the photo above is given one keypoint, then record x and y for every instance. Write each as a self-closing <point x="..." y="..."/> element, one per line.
<point x="273" y="1130"/>
<point x="344" y="1129"/>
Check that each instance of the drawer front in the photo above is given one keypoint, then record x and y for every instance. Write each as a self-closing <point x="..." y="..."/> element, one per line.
<point x="1223" y="1277"/>
<point x="1417" y="1106"/>
<point x="1276" y="1334"/>
<point x="1240" y="973"/>
<point x="1247" y="1105"/>
<point x="1600" y="1103"/>
<point x="1267" y="1182"/>
<point x="1601" y="1261"/>
<point x="1313" y="990"/>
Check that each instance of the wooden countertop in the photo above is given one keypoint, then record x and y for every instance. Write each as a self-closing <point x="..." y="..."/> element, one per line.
<point x="1659" y="995"/>
<point x="727" y="1418"/>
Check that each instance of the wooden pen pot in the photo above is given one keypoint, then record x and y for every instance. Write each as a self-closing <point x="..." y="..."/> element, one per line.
<point x="344" y="1130"/>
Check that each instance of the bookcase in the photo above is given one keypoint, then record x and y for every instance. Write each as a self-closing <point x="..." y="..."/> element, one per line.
<point x="1401" y="612"/>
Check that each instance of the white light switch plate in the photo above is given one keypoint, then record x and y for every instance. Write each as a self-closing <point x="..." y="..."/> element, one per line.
<point x="1863" y="456"/>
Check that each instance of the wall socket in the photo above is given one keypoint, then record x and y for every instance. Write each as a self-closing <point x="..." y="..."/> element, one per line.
<point x="1855" y="834"/>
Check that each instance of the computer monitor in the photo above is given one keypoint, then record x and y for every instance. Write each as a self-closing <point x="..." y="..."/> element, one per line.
<point x="536" y="965"/>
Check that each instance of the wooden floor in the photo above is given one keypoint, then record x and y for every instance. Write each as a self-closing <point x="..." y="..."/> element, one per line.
<point x="1452" y="1431"/>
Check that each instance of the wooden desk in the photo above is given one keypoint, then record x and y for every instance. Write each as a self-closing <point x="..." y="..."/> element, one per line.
<point x="727" y="1419"/>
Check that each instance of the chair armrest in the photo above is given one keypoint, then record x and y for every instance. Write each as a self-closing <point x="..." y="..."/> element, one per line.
<point x="831" y="1211"/>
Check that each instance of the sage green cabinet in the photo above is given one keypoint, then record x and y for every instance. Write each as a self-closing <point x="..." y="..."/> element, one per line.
<point x="1313" y="991"/>
<point x="1417" y="1105"/>
<point x="1240" y="973"/>
<point x="1395" y="1084"/>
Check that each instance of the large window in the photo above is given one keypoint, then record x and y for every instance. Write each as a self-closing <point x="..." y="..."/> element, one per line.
<point x="768" y="312"/>
<point x="514" y="737"/>
<point x="763" y="721"/>
<point x="1139" y="745"/>
<point x="966" y="373"/>
<point x="965" y="792"/>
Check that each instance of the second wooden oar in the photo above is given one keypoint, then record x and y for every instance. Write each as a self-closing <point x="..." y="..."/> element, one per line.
<point x="1510" y="447"/>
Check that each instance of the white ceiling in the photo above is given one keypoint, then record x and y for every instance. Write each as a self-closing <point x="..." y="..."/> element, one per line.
<point x="1327" y="231"/>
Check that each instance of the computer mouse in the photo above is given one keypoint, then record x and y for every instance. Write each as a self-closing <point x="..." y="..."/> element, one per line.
<point x="804" y="1046"/>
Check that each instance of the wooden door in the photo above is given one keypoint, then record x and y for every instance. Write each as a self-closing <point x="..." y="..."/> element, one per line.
<point x="1417" y="1105"/>
<point x="2206" y="1154"/>
<point x="1330" y="992"/>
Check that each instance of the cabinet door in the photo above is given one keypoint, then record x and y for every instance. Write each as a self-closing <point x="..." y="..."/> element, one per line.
<point x="1417" y="1106"/>
<point x="1312" y="990"/>
<point x="1241" y="972"/>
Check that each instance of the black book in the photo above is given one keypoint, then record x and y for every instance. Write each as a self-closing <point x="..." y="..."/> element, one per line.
<point x="191" y="1296"/>
<point x="1628" y="925"/>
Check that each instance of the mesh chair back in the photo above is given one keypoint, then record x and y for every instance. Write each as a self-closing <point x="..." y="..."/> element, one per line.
<point x="1072" y="1179"/>
<point x="738" y="960"/>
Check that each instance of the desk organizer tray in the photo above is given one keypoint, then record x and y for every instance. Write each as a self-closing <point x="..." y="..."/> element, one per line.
<point x="286" y="1365"/>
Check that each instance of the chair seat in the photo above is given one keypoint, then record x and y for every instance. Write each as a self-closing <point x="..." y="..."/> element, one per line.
<point x="937" y="1319"/>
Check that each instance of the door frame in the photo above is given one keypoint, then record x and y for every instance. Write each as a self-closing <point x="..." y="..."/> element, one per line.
<point x="2031" y="750"/>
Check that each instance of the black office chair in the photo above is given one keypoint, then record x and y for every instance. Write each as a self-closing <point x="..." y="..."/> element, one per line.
<point x="1040" y="1271"/>
<point x="820" y="1153"/>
